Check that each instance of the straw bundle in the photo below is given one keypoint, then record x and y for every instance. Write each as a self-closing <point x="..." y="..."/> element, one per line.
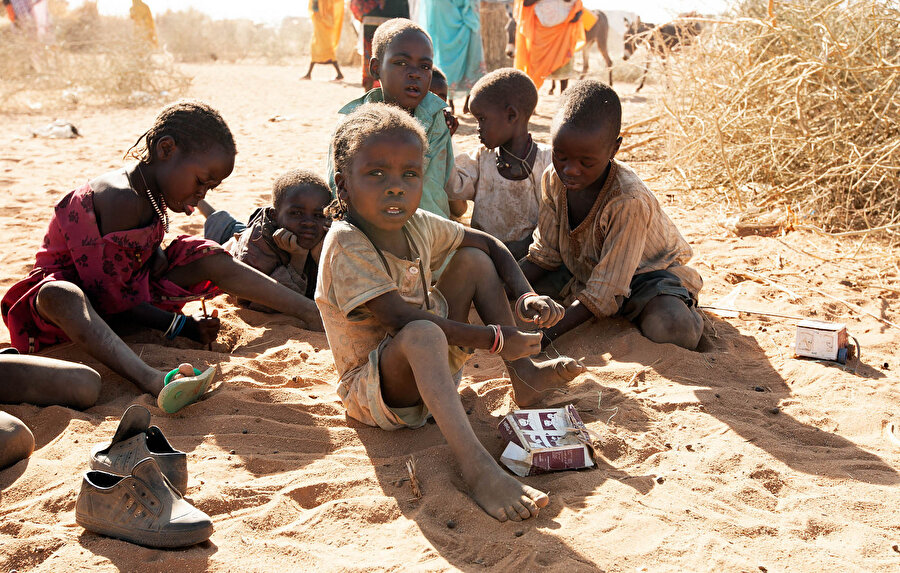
<point x="86" y="57"/>
<point x="794" y="105"/>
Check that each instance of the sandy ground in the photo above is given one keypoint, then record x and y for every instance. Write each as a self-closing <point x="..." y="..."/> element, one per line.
<point x="735" y="458"/>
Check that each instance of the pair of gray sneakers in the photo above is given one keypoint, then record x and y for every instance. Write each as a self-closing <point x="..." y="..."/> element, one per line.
<point x="135" y="489"/>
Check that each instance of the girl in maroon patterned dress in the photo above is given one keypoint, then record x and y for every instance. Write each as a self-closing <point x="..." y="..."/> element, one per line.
<point x="102" y="257"/>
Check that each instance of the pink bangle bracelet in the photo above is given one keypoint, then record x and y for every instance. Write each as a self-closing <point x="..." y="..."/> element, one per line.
<point x="497" y="346"/>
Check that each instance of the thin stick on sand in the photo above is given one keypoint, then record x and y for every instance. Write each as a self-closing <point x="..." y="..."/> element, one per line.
<point x="413" y="479"/>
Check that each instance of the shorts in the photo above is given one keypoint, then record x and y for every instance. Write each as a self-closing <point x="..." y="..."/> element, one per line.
<point x="360" y="392"/>
<point x="221" y="226"/>
<point x="647" y="286"/>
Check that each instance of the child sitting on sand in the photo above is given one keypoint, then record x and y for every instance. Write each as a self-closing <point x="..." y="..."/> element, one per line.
<point x="502" y="176"/>
<point x="402" y="56"/>
<point x="283" y="240"/>
<point x="102" y="258"/>
<point x="399" y="345"/>
<point x="600" y="221"/>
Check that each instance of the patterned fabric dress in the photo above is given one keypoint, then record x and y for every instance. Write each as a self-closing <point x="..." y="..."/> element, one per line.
<point x="111" y="269"/>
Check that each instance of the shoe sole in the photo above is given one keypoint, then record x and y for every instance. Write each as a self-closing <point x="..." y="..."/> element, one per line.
<point x="179" y="393"/>
<point x="157" y="539"/>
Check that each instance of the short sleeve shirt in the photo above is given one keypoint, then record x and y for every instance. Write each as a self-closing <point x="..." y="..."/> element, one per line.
<point x="351" y="273"/>
<point x="504" y="208"/>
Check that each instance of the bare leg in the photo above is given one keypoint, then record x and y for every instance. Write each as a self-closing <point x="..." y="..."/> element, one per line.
<point x="552" y="87"/>
<point x="309" y="71"/>
<point x="563" y="84"/>
<point x="666" y="319"/>
<point x="414" y="368"/>
<point x="337" y="69"/>
<point x="46" y="381"/>
<point x="205" y="208"/>
<point x="530" y="379"/>
<point x="66" y="306"/>
<point x="16" y="440"/>
<point x="243" y="281"/>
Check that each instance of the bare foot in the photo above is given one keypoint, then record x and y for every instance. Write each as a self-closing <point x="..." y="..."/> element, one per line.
<point x="339" y="77"/>
<point x="531" y="379"/>
<point x="502" y="496"/>
<point x="306" y="77"/>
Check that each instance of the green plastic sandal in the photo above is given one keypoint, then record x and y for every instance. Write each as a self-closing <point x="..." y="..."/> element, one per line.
<point x="176" y="394"/>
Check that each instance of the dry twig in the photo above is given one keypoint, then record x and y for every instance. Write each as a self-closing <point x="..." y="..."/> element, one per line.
<point x="801" y="113"/>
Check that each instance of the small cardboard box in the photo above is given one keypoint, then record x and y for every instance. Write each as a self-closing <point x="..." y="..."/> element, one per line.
<point x="816" y="339"/>
<point x="544" y="441"/>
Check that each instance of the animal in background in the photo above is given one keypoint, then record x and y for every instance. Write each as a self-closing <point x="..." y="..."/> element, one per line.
<point x="660" y="40"/>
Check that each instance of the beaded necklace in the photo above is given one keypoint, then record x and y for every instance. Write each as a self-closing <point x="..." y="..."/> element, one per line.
<point x="161" y="213"/>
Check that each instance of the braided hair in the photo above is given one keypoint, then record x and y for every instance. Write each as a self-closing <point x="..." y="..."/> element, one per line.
<point x="367" y="121"/>
<point x="194" y="125"/>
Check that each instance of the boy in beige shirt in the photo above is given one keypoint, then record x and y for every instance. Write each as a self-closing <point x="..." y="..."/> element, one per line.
<point x="600" y="221"/>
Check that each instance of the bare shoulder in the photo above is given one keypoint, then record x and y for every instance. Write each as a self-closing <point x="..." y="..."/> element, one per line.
<point x="117" y="206"/>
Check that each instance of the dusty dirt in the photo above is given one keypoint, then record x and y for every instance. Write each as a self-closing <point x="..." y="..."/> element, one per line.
<point x="736" y="458"/>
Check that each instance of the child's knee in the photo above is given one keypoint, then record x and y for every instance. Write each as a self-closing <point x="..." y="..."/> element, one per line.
<point x="421" y="333"/>
<point x="85" y="387"/>
<point x="16" y="440"/>
<point x="669" y="320"/>
<point x="474" y="260"/>
<point x="56" y="296"/>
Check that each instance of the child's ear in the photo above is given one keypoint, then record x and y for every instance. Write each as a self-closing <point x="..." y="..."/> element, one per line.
<point x="375" y="68"/>
<point x="340" y="182"/>
<point x="512" y="113"/>
<point x="616" y="147"/>
<point x="165" y="147"/>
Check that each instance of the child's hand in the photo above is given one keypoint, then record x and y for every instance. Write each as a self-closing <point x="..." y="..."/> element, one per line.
<point x="287" y="241"/>
<point x="519" y="343"/>
<point x="542" y="310"/>
<point x="202" y="329"/>
<point x="159" y="263"/>
<point x="452" y="122"/>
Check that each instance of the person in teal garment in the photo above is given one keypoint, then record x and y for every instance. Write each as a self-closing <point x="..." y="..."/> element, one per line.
<point x="402" y="60"/>
<point x="455" y="28"/>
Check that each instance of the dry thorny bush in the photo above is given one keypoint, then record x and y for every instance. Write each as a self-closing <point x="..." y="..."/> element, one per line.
<point x="88" y="57"/>
<point x="798" y="110"/>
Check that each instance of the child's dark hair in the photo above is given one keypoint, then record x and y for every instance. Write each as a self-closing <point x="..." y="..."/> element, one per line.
<point x="437" y="74"/>
<point x="389" y="31"/>
<point x="298" y="179"/>
<point x="194" y="125"/>
<point x="589" y="104"/>
<point x="507" y="86"/>
<point x="368" y="121"/>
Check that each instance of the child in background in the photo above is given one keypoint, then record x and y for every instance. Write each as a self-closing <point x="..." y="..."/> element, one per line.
<point x="102" y="259"/>
<point x="502" y="176"/>
<point x="399" y="345"/>
<point x="600" y="221"/>
<point x="402" y="62"/>
<point x="439" y="86"/>
<point x="282" y="241"/>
